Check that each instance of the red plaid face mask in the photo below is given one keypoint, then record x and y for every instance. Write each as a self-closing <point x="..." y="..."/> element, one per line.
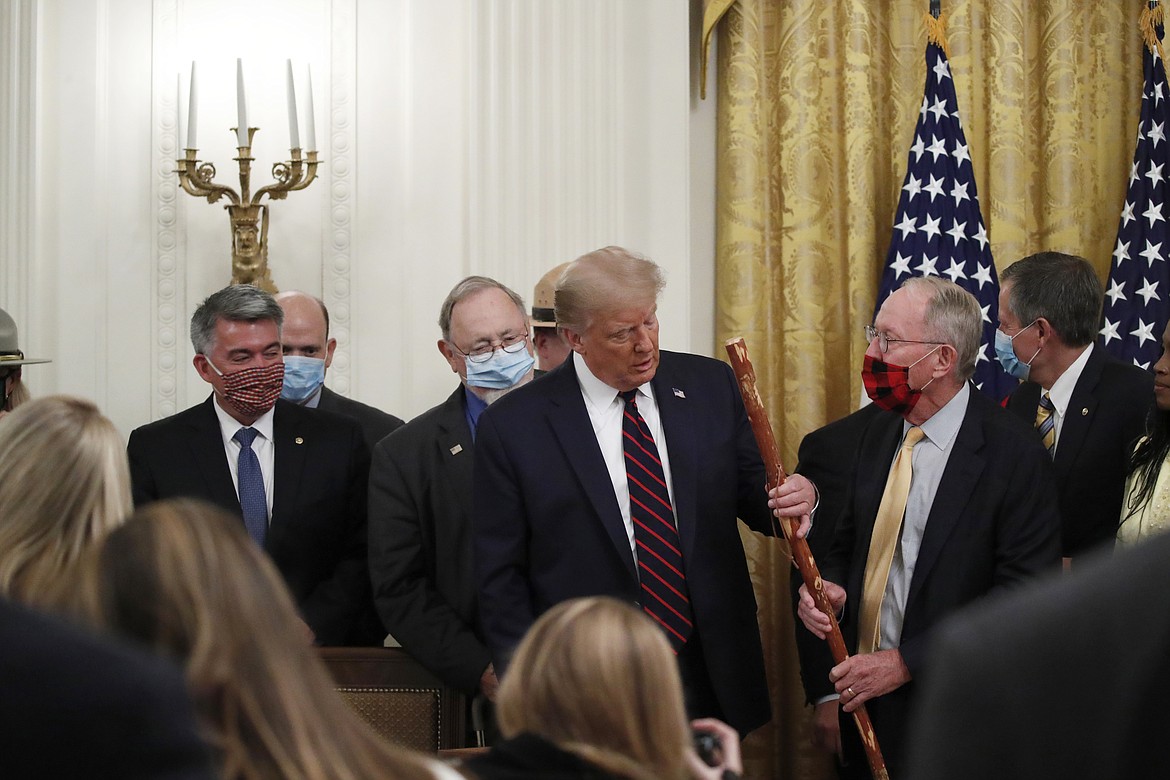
<point x="888" y="384"/>
<point x="252" y="391"/>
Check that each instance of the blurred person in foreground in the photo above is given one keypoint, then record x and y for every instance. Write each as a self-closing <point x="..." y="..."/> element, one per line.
<point x="593" y="692"/>
<point x="182" y="578"/>
<point x="64" y="484"/>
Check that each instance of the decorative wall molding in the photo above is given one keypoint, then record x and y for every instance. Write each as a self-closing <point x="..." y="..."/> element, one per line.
<point x="339" y="163"/>
<point x="18" y="149"/>
<point x="168" y="278"/>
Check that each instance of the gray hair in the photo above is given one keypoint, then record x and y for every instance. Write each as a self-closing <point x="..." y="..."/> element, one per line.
<point x="953" y="317"/>
<point x="238" y="303"/>
<point x="603" y="280"/>
<point x="465" y="289"/>
<point x="1063" y="289"/>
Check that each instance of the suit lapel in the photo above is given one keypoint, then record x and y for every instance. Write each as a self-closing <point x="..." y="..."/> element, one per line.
<point x="206" y="443"/>
<point x="960" y="477"/>
<point x="675" y="412"/>
<point x="570" y="423"/>
<point x="456" y="450"/>
<point x="1078" y="416"/>
<point x="291" y="440"/>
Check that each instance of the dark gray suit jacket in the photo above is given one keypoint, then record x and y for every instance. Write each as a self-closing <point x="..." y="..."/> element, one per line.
<point x="317" y="535"/>
<point x="375" y="424"/>
<point x="420" y="543"/>
<point x="1106" y="416"/>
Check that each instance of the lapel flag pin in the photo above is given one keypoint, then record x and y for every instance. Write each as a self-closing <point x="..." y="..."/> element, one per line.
<point x="679" y="393"/>
<point x="299" y="440"/>
<point x="458" y="448"/>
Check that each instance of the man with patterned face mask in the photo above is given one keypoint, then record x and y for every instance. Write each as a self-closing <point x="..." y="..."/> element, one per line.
<point x="297" y="478"/>
<point x="952" y="497"/>
<point x="420" y="490"/>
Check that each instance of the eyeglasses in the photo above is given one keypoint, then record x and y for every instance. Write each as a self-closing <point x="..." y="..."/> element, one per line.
<point x="483" y="353"/>
<point x="885" y="341"/>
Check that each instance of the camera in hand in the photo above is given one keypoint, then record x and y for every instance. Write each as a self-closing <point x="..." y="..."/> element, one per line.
<point x="708" y="747"/>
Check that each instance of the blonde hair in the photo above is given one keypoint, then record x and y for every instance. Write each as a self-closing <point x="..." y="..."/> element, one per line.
<point x="183" y="578"/>
<point x="604" y="280"/>
<point x="64" y="483"/>
<point x="596" y="677"/>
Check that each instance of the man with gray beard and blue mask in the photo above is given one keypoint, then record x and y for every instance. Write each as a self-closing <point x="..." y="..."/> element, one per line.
<point x="420" y="491"/>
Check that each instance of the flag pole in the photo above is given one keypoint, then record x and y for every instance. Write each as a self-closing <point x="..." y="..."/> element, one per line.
<point x="935" y="8"/>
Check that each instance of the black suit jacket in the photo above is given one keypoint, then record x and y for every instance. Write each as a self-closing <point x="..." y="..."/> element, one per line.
<point x="827" y="457"/>
<point x="547" y="526"/>
<point x="994" y="524"/>
<point x="375" y="424"/>
<point x="74" y="705"/>
<point x="420" y="543"/>
<point x="1106" y="415"/>
<point x="317" y="534"/>
<point x="1067" y="679"/>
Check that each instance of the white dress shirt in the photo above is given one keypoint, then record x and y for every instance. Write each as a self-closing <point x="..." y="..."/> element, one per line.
<point x="262" y="445"/>
<point x="605" y="409"/>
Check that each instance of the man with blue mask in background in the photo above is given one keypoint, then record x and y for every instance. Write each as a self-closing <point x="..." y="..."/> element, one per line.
<point x="1087" y="407"/>
<point x="420" y="491"/>
<point x="308" y="353"/>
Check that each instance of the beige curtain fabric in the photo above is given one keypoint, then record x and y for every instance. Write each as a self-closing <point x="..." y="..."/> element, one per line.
<point x="817" y="103"/>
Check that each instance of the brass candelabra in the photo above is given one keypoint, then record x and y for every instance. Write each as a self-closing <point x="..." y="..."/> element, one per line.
<point x="248" y="216"/>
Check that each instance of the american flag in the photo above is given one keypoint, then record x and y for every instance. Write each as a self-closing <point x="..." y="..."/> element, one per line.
<point x="1136" y="301"/>
<point x="938" y="230"/>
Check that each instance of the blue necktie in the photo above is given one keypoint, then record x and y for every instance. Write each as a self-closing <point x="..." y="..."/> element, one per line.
<point x="253" y="502"/>
<point x="660" y="563"/>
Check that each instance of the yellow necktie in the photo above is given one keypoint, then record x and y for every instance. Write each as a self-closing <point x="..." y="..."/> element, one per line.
<point x="886" y="530"/>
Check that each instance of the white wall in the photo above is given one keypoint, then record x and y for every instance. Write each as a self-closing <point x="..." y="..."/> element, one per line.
<point x="499" y="137"/>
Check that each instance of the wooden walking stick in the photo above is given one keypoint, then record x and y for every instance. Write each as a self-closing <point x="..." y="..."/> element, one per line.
<point x="801" y="554"/>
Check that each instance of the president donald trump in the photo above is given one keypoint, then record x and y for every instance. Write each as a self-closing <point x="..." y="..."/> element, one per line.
<point x="621" y="473"/>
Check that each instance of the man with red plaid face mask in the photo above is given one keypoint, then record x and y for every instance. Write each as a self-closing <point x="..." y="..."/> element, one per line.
<point x="296" y="477"/>
<point x="951" y="497"/>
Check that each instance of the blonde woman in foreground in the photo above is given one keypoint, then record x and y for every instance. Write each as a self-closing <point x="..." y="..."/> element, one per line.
<point x="64" y="484"/>
<point x="593" y="692"/>
<point x="183" y="578"/>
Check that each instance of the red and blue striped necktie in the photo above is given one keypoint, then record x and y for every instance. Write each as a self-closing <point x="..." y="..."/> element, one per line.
<point x="659" y="552"/>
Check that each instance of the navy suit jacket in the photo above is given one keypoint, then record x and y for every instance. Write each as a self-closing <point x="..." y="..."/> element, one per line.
<point x="547" y="526"/>
<point x="1106" y="416"/>
<point x="420" y="543"/>
<point x="317" y="534"/>
<point x="376" y="424"/>
<point x="994" y="524"/>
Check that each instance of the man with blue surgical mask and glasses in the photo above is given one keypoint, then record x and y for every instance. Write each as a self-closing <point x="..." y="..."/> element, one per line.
<point x="1087" y="407"/>
<point x="420" y="491"/>
<point x="308" y="353"/>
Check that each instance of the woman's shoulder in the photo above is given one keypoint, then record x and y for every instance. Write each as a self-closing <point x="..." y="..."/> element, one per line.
<point x="530" y="756"/>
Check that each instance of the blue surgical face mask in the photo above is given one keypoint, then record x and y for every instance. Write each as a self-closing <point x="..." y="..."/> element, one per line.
<point x="1005" y="352"/>
<point x="501" y="371"/>
<point x="303" y="376"/>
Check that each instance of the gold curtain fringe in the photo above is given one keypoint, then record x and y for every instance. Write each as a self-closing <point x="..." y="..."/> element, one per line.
<point x="936" y="32"/>
<point x="1150" y="19"/>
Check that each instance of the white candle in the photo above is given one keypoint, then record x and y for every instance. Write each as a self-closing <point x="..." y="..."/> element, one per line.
<point x="294" y="136"/>
<point x="178" y="107"/>
<point x="191" y="110"/>
<point x="241" y="106"/>
<point x="310" y="119"/>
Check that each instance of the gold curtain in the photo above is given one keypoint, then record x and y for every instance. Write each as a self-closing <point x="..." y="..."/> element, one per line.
<point x="816" y="107"/>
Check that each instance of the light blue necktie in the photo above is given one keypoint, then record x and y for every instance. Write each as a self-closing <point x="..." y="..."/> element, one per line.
<point x="253" y="502"/>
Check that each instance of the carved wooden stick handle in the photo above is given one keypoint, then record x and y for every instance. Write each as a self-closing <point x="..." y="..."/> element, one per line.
<point x="801" y="554"/>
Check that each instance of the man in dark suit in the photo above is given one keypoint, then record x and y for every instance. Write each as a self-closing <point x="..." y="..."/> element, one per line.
<point x="557" y="515"/>
<point x="74" y="705"/>
<point x="305" y="339"/>
<point x="1066" y="679"/>
<point x="1091" y="406"/>
<point x="297" y="477"/>
<point x="420" y="491"/>
<point x="952" y="498"/>
<point x="826" y="456"/>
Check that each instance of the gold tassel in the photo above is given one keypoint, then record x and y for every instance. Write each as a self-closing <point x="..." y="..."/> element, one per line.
<point x="936" y="32"/>
<point x="1150" y="19"/>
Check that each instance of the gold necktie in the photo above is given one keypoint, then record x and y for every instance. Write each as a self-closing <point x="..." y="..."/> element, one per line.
<point x="886" y="531"/>
<point x="1046" y="423"/>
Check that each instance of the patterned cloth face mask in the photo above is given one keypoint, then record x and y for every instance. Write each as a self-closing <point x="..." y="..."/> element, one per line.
<point x="888" y="384"/>
<point x="252" y="391"/>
